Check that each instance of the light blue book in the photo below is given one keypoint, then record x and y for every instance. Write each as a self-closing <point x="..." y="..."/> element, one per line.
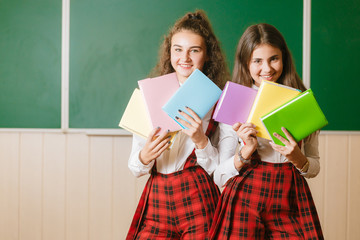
<point x="198" y="93"/>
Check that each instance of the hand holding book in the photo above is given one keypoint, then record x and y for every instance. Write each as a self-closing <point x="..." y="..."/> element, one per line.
<point x="155" y="146"/>
<point x="193" y="127"/>
<point x="301" y="116"/>
<point x="290" y="149"/>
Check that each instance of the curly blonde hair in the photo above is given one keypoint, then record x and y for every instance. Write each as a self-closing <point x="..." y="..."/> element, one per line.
<point x="197" y="22"/>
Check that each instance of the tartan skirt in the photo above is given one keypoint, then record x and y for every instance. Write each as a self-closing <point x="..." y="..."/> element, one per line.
<point x="180" y="205"/>
<point x="266" y="201"/>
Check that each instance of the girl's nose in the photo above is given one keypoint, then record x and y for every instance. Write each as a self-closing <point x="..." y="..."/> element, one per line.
<point x="185" y="56"/>
<point x="266" y="67"/>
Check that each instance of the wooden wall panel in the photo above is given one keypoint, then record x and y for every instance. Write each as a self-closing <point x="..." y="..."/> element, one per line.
<point x="353" y="197"/>
<point x="100" y="188"/>
<point x="336" y="191"/>
<point x="31" y="186"/>
<point x="124" y="197"/>
<point x="77" y="187"/>
<point x="54" y="187"/>
<point x="9" y="186"/>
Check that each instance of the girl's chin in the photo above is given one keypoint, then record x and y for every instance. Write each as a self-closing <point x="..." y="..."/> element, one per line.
<point x="184" y="72"/>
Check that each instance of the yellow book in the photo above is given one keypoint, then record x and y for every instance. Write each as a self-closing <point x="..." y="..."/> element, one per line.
<point x="270" y="96"/>
<point x="136" y="119"/>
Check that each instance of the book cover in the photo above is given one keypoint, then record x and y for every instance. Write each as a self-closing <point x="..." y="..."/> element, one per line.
<point x="135" y="118"/>
<point x="234" y="104"/>
<point x="198" y="93"/>
<point x="156" y="92"/>
<point x="270" y="96"/>
<point x="301" y="116"/>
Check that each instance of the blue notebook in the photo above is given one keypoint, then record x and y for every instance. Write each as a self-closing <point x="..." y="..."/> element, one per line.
<point x="198" y="93"/>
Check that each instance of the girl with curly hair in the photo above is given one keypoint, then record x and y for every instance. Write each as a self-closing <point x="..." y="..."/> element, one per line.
<point x="180" y="197"/>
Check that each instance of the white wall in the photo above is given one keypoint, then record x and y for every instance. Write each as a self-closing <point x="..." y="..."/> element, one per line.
<point x="76" y="187"/>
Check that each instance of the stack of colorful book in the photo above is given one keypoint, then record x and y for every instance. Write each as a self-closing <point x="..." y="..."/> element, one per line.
<point x="157" y="101"/>
<point x="269" y="108"/>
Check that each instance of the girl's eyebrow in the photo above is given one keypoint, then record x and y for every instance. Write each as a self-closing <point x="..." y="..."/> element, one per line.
<point x="177" y="45"/>
<point x="195" y="47"/>
<point x="275" y="55"/>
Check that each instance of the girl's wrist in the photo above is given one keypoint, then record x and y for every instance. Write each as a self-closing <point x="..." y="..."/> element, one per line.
<point x="301" y="163"/>
<point x="247" y="151"/>
<point x="238" y="163"/>
<point x="305" y="166"/>
<point x="243" y="156"/>
<point x="202" y="143"/>
<point x="142" y="160"/>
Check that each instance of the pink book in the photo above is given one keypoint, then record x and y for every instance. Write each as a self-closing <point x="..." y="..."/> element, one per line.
<point x="234" y="104"/>
<point x="156" y="92"/>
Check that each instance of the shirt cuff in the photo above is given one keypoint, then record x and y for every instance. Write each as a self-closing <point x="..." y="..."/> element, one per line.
<point x="142" y="168"/>
<point x="207" y="152"/>
<point x="225" y="172"/>
<point x="313" y="169"/>
<point x="230" y="167"/>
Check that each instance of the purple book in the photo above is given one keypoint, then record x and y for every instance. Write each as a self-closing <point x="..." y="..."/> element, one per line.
<point x="234" y="104"/>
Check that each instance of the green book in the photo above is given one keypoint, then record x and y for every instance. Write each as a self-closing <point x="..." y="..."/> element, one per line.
<point x="301" y="116"/>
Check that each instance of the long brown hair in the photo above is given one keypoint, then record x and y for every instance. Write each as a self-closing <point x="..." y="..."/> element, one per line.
<point x="254" y="36"/>
<point x="214" y="67"/>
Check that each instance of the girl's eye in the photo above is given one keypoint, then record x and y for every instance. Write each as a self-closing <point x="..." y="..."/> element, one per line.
<point x="177" y="49"/>
<point x="195" y="50"/>
<point x="256" y="61"/>
<point x="274" y="59"/>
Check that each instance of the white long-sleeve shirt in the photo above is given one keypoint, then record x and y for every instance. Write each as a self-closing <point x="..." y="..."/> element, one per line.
<point x="227" y="146"/>
<point x="174" y="159"/>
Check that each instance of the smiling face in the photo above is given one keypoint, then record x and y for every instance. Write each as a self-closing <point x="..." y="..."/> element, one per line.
<point x="265" y="64"/>
<point x="188" y="52"/>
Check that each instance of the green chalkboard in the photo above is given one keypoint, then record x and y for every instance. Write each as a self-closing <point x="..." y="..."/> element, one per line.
<point x="114" y="43"/>
<point x="335" y="50"/>
<point x="30" y="58"/>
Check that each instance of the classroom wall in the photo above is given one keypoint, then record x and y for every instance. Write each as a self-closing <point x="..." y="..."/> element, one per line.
<point x="73" y="186"/>
<point x="56" y="186"/>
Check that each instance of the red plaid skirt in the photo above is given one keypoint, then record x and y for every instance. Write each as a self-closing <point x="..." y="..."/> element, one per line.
<point x="266" y="201"/>
<point x="179" y="205"/>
